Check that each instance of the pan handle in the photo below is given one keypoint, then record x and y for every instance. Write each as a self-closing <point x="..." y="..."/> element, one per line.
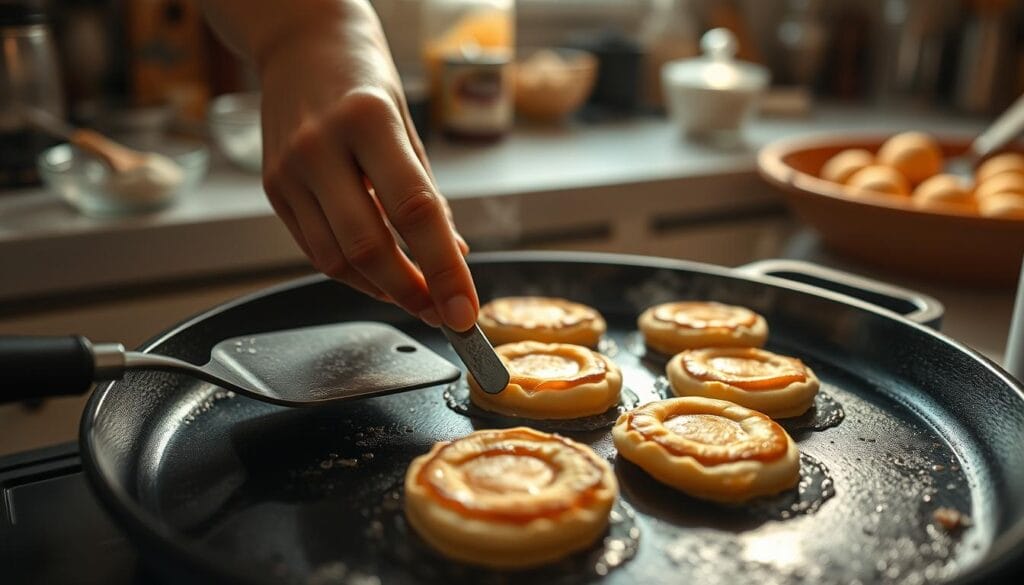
<point x="37" y="367"/>
<point x="913" y="305"/>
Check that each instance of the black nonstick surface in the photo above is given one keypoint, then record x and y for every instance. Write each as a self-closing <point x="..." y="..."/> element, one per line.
<point x="221" y="487"/>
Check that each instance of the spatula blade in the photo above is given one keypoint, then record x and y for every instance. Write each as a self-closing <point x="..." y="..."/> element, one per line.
<point x="341" y="361"/>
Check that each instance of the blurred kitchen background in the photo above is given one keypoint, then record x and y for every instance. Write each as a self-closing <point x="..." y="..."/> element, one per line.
<point x="576" y="147"/>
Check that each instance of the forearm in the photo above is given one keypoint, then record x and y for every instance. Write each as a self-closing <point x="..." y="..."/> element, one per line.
<point x="254" y="28"/>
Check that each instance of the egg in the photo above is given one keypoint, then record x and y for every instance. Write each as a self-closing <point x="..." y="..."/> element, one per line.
<point x="943" y="191"/>
<point x="878" y="179"/>
<point x="1008" y="182"/>
<point x="1001" y="163"/>
<point x="842" y="166"/>
<point x="1007" y="205"/>
<point x="915" y="155"/>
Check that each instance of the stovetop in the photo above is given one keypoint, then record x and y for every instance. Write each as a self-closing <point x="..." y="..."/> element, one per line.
<point x="52" y="528"/>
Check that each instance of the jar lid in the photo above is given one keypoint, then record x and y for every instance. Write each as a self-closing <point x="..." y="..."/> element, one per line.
<point x="717" y="68"/>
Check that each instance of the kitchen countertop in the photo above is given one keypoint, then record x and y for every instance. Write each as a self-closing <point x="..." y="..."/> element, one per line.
<point x="227" y="226"/>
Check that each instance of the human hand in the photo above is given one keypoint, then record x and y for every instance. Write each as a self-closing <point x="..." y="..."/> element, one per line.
<point x="345" y="169"/>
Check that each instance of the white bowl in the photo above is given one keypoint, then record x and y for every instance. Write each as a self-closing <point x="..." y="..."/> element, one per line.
<point x="234" y="121"/>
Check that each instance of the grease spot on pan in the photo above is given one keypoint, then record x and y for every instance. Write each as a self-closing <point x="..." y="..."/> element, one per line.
<point x="826" y="413"/>
<point x="815" y="487"/>
<point x="635" y="345"/>
<point x="207" y="404"/>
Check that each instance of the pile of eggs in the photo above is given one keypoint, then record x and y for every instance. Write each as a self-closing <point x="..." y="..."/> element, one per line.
<point x="910" y="165"/>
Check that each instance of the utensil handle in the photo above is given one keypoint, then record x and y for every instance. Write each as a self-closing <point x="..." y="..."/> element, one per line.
<point x="116" y="156"/>
<point x="478" y="354"/>
<point x="1013" y="361"/>
<point x="917" y="307"/>
<point x="36" y="367"/>
<point x="1007" y="127"/>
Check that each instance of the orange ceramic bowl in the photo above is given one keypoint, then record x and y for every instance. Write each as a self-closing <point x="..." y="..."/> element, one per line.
<point x="889" y="231"/>
<point x="549" y="91"/>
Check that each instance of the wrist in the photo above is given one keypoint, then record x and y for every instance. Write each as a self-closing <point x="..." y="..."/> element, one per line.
<point x="303" y="20"/>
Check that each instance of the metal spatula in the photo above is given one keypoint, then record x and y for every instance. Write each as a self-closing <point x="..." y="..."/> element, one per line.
<point x="296" y="367"/>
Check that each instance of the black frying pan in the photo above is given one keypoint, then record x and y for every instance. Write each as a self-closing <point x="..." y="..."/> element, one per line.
<point x="229" y="489"/>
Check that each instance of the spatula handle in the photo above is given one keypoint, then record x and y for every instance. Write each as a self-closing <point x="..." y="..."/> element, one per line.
<point x="36" y="367"/>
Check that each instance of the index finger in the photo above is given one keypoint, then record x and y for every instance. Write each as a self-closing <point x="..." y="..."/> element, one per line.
<point x="416" y="210"/>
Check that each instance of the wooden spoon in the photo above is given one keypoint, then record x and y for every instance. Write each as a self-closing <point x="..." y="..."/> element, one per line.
<point x="118" y="157"/>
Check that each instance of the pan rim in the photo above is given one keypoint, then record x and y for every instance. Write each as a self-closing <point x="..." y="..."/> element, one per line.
<point x="1006" y="551"/>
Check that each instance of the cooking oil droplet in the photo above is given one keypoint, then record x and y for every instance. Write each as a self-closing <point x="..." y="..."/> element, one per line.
<point x="608" y="347"/>
<point x="456" y="396"/>
<point x="662" y="387"/>
<point x="812" y="491"/>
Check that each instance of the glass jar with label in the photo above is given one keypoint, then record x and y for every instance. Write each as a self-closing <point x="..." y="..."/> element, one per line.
<point x="468" y="46"/>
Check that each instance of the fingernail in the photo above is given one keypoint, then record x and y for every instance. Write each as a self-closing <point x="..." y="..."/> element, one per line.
<point x="459" y="313"/>
<point x="430" y="317"/>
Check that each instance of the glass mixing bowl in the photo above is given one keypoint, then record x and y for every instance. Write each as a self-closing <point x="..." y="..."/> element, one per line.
<point x="85" y="182"/>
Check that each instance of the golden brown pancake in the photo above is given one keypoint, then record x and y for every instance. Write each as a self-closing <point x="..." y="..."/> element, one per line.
<point x="552" y="381"/>
<point x="509" y="498"/>
<point x="672" y="327"/>
<point x="708" y="448"/>
<point x="776" y="385"/>
<point x="545" y="319"/>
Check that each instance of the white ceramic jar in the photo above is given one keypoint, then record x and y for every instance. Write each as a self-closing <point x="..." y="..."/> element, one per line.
<point x="710" y="97"/>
